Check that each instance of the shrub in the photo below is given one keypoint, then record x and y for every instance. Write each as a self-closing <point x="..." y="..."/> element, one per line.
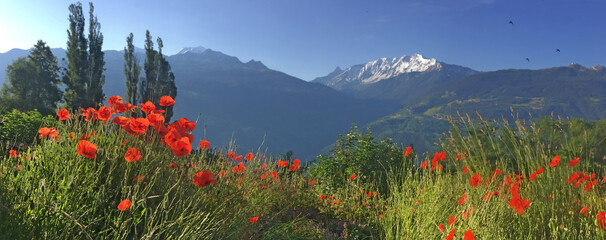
<point x="22" y="127"/>
<point x="361" y="154"/>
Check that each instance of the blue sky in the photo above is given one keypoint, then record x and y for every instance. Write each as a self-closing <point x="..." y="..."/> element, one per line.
<point x="309" y="38"/>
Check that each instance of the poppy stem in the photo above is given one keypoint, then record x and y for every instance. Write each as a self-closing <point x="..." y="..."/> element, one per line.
<point x="82" y="227"/>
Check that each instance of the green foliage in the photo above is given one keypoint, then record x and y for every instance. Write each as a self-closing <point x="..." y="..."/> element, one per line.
<point x="159" y="80"/>
<point x="32" y="82"/>
<point x="20" y="127"/>
<point x="360" y="154"/>
<point x="84" y="74"/>
<point x="419" y="202"/>
<point x="131" y="70"/>
<point x="77" y="60"/>
<point x="96" y="64"/>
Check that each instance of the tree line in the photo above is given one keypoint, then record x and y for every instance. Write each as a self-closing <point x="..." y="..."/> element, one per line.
<point x="36" y="81"/>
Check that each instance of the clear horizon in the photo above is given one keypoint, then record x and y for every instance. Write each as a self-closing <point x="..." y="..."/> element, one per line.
<point x="310" y="39"/>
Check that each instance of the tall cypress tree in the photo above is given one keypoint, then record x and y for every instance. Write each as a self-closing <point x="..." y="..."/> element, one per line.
<point x="131" y="70"/>
<point x="166" y="79"/>
<point x="96" y="63"/>
<point x="77" y="56"/>
<point x="151" y="68"/>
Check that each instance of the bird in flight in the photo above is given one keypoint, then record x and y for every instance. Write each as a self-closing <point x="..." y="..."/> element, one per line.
<point x="528" y="59"/>
<point x="511" y="22"/>
<point x="557" y="50"/>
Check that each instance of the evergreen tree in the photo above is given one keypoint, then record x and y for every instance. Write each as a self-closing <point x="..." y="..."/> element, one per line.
<point x="77" y="56"/>
<point x="151" y="68"/>
<point x="84" y="75"/>
<point x="96" y="62"/>
<point x="131" y="70"/>
<point x="166" y="80"/>
<point x="159" y="80"/>
<point x="32" y="82"/>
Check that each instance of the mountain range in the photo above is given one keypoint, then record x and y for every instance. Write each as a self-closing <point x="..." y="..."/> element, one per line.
<point x="256" y="107"/>
<point x="404" y="98"/>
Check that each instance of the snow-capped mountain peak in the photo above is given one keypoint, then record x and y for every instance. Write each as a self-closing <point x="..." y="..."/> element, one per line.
<point x="198" y="49"/>
<point x="385" y="68"/>
<point x="380" y="69"/>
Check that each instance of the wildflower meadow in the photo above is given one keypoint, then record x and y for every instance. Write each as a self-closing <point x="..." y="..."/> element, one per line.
<point x="121" y="172"/>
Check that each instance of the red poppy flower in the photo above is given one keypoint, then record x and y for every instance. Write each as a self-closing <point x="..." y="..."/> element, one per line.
<point x="137" y="126"/>
<point x="353" y="176"/>
<point x="47" y="132"/>
<point x="249" y="156"/>
<point x="451" y="234"/>
<point x="120" y="107"/>
<point x="590" y="184"/>
<point x="322" y="197"/>
<point x="63" y="114"/>
<point x="583" y="210"/>
<point x="138" y="178"/>
<point x="424" y="164"/>
<point x="147" y="107"/>
<point x="174" y="165"/>
<point x="221" y="173"/>
<point x="574" y="162"/>
<point x="475" y="180"/>
<point x="519" y="205"/>
<point x="204" y="178"/>
<point x="408" y="150"/>
<point x="238" y="158"/>
<point x="465" y="169"/>
<point x="204" y="144"/>
<point x="601" y="220"/>
<point x="87" y="149"/>
<point x="462" y="200"/>
<point x="313" y="182"/>
<point x="13" y="153"/>
<point x="132" y="155"/>
<point x="496" y="172"/>
<point x="461" y="156"/>
<point x="253" y="219"/>
<point x="88" y="113"/>
<point x="468" y="235"/>
<point x="240" y="168"/>
<point x="167" y="101"/>
<point x="573" y="177"/>
<point x="155" y="119"/>
<point x="451" y="220"/>
<point x="441" y="227"/>
<point x="295" y="165"/>
<point x="555" y="161"/>
<point x="103" y="114"/>
<point x="181" y="147"/>
<point x="282" y="163"/>
<point x="112" y="101"/>
<point x="124" y="205"/>
<point x="533" y="175"/>
<point x="231" y="154"/>
<point x="185" y="124"/>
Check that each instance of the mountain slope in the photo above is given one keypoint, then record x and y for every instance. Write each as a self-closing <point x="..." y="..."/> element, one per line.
<point x="250" y="101"/>
<point x="401" y="80"/>
<point x="572" y="91"/>
<point x="253" y="104"/>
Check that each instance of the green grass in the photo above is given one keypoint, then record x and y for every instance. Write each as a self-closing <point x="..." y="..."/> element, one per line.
<point x="50" y="192"/>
